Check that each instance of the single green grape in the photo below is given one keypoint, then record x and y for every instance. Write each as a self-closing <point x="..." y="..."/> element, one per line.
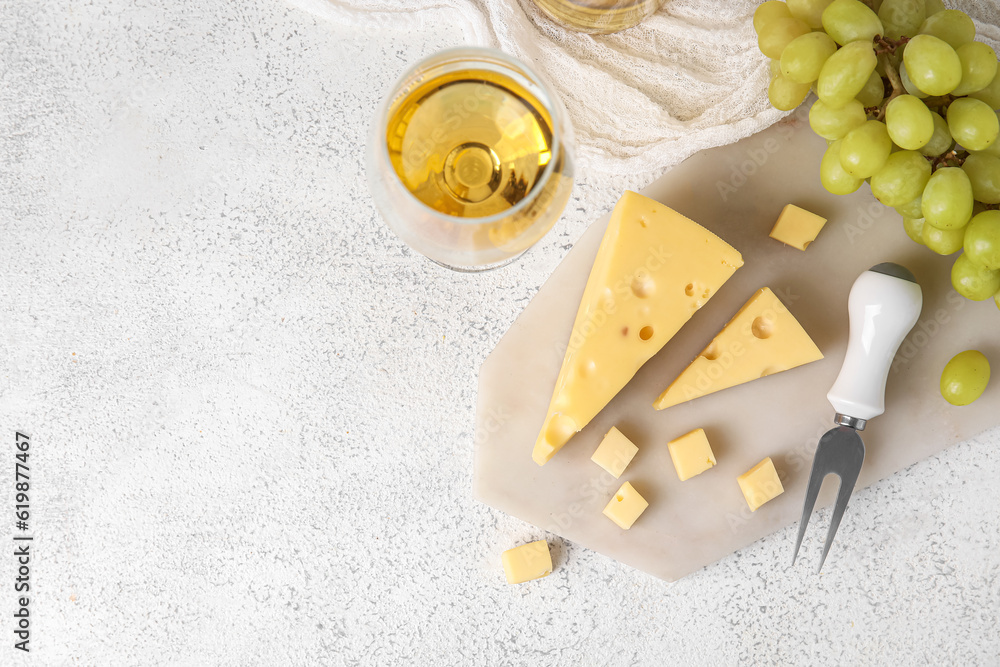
<point x="810" y="11"/>
<point x="909" y="122"/>
<point x="911" y="209"/>
<point x="785" y="94"/>
<point x="991" y="93"/>
<point x="947" y="200"/>
<point x="901" y="179"/>
<point x="832" y="123"/>
<point x="845" y="73"/>
<point x="972" y="123"/>
<point x="934" y="6"/>
<point x="913" y="228"/>
<point x="994" y="148"/>
<point x="832" y="174"/>
<point x="776" y="34"/>
<point x="902" y="17"/>
<point x="982" y="239"/>
<point x="850" y="21"/>
<point x="941" y="141"/>
<point x="965" y="377"/>
<point x="769" y="11"/>
<point x="951" y="25"/>
<point x="983" y="171"/>
<point x="973" y="281"/>
<point x="942" y="241"/>
<point x="909" y="86"/>
<point x="932" y="64"/>
<point x="803" y="58"/>
<point x="865" y="149"/>
<point x="979" y="67"/>
<point x="873" y="92"/>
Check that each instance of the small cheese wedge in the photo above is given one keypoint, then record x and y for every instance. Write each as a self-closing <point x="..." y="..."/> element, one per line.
<point x="615" y="452"/>
<point x="626" y="506"/>
<point x="763" y="338"/>
<point x="691" y="454"/>
<point x="760" y="484"/>
<point x="653" y="270"/>
<point x="527" y="562"/>
<point x="797" y="227"/>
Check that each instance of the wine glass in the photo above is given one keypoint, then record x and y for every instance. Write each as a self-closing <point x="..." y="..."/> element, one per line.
<point x="470" y="160"/>
<point x="598" y="16"/>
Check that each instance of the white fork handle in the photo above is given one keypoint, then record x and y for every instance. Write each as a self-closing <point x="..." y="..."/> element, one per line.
<point x="883" y="306"/>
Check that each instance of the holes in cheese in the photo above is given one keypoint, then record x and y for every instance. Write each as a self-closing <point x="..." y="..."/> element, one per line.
<point x="653" y="270"/>
<point x="763" y="338"/>
<point x="643" y="285"/>
<point x="762" y="327"/>
<point x="626" y="506"/>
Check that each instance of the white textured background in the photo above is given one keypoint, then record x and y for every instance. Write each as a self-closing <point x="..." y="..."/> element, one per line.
<point x="251" y="407"/>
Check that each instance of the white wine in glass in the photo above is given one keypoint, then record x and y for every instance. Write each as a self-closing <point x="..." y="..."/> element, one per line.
<point x="598" y="16"/>
<point x="469" y="158"/>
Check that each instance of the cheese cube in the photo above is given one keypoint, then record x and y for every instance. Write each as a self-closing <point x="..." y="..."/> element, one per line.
<point x="691" y="454"/>
<point x="626" y="506"/>
<point x="797" y="227"/>
<point x="527" y="562"/>
<point x="614" y="453"/>
<point x="760" y="484"/>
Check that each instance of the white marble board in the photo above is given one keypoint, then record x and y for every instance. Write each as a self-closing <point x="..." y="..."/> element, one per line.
<point x="736" y="191"/>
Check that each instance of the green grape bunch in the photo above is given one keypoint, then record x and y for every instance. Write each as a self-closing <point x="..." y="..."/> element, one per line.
<point x="907" y="100"/>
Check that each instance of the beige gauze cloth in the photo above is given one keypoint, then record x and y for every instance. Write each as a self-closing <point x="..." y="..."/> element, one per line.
<point x="689" y="77"/>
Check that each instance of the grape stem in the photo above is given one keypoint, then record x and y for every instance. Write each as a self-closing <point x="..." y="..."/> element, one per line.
<point x="940" y="103"/>
<point x="883" y="44"/>
<point x="897" y="84"/>
<point x="952" y="158"/>
<point x="885" y="47"/>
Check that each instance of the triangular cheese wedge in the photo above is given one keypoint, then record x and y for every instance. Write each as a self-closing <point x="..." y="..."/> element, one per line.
<point x="762" y="339"/>
<point x="653" y="270"/>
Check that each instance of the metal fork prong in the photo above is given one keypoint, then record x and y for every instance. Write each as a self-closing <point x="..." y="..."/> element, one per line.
<point x="815" y="483"/>
<point x="847" y="482"/>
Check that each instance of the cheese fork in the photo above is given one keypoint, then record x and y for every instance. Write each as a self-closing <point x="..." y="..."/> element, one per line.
<point x="883" y="306"/>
